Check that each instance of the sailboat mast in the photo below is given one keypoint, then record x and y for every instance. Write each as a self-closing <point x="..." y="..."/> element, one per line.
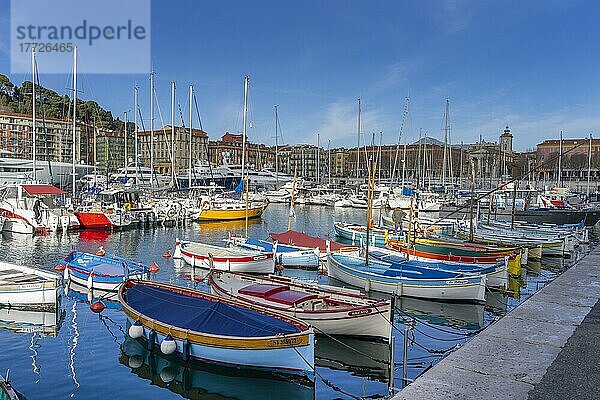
<point x="33" y="114"/>
<point x="560" y="151"/>
<point x="358" y="143"/>
<point x="95" y="155"/>
<point x="125" y="142"/>
<point x="445" y="145"/>
<point x="151" y="127"/>
<point x="135" y="140"/>
<point x="318" y="158"/>
<point x="589" y="166"/>
<point x="74" y="116"/>
<point x="246" y="82"/>
<point x="173" y="133"/>
<point x="329" y="161"/>
<point x="190" y="166"/>
<point x="276" y="148"/>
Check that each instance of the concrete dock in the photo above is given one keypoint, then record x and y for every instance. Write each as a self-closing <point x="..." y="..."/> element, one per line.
<point x="532" y="352"/>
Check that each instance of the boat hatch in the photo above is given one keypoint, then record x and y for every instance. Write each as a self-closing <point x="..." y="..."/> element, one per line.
<point x="290" y="297"/>
<point x="262" y="289"/>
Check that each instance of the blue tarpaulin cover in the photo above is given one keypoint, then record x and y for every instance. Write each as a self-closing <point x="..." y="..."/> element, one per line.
<point x="268" y="247"/>
<point x="203" y="315"/>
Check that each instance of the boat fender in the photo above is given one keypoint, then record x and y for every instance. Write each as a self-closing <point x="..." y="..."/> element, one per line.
<point x="185" y="350"/>
<point x="135" y="361"/>
<point x="151" y="340"/>
<point x="168" y="345"/>
<point x="353" y="236"/>
<point x="97" y="306"/>
<point x="136" y="330"/>
<point x="367" y="285"/>
<point x="177" y="252"/>
<point x="168" y="374"/>
<point x="154" y="267"/>
<point x="166" y="254"/>
<point x="101" y="252"/>
<point x="90" y="281"/>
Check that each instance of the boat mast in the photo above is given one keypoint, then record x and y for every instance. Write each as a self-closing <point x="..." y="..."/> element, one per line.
<point x="190" y="139"/>
<point x="135" y="115"/>
<point x="405" y="134"/>
<point x="151" y="127"/>
<point x="329" y="162"/>
<point x="74" y="116"/>
<point x="173" y="133"/>
<point x="371" y="184"/>
<point x="125" y="143"/>
<point x="589" y="167"/>
<point x="33" y="114"/>
<point x="95" y="156"/>
<point x="276" y="149"/>
<point x="318" y="159"/>
<point x="445" y="144"/>
<point x="358" y="144"/>
<point x="246" y="82"/>
<point x="560" y="151"/>
<point x="291" y="213"/>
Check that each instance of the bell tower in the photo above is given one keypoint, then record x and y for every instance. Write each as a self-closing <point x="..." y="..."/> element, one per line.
<point x="506" y="141"/>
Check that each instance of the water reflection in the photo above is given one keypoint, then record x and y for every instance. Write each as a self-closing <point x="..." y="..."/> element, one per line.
<point x="31" y="321"/>
<point x="204" y="381"/>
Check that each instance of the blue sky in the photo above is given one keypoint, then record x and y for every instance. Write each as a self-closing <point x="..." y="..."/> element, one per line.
<point x="531" y="65"/>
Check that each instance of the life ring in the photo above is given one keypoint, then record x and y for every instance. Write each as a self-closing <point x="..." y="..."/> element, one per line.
<point x="205" y="203"/>
<point x="171" y="213"/>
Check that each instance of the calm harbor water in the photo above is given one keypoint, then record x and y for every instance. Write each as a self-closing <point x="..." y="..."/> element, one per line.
<point x="81" y="355"/>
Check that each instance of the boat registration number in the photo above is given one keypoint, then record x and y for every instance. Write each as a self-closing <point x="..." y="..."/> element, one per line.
<point x="30" y="286"/>
<point x="457" y="282"/>
<point x="284" y="342"/>
<point x="360" y="312"/>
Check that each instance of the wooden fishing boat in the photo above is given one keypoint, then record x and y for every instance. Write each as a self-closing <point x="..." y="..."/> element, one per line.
<point x="330" y="310"/>
<point x="425" y="249"/>
<point x="224" y="258"/>
<point x="358" y="234"/>
<point x="549" y="247"/>
<point x="229" y="210"/>
<point x="422" y="283"/>
<point x="26" y="287"/>
<point x="101" y="272"/>
<point x="207" y="328"/>
<point x="285" y="255"/>
<point x="7" y="392"/>
<point x="496" y="271"/>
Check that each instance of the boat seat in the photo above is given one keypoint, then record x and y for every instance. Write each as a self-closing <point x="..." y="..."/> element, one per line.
<point x="290" y="297"/>
<point x="262" y="289"/>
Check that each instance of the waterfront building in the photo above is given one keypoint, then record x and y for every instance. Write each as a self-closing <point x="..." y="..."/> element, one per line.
<point x="162" y="147"/>
<point x="229" y="148"/>
<point x="574" y="163"/>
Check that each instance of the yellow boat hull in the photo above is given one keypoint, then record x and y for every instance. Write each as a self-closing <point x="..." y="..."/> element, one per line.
<point x="229" y="215"/>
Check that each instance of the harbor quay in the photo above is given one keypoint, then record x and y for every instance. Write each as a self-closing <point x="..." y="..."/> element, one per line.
<point x="543" y="349"/>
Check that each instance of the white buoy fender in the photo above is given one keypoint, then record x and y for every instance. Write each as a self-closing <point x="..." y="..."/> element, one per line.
<point x="136" y="330"/>
<point x="66" y="274"/>
<point x="168" y="345"/>
<point x="90" y="281"/>
<point x="177" y="252"/>
<point x="135" y="361"/>
<point x="168" y="374"/>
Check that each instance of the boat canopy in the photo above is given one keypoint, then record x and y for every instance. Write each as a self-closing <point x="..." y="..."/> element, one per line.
<point x="304" y="240"/>
<point x="42" y="190"/>
<point x="196" y="313"/>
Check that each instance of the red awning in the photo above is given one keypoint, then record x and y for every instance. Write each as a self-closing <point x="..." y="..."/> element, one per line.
<point x="42" y="189"/>
<point x="303" y="240"/>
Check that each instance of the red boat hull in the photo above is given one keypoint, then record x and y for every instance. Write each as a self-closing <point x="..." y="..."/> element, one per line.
<point x="95" y="220"/>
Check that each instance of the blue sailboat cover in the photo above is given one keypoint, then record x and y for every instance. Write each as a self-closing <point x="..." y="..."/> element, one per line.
<point x="204" y="315"/>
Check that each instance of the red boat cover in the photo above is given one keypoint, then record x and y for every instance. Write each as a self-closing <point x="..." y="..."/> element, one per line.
<point x="290" y="297"/>
<point x="42" y="189"/>
<point x="303" y="240"/>
<point x="262" y="289"/>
